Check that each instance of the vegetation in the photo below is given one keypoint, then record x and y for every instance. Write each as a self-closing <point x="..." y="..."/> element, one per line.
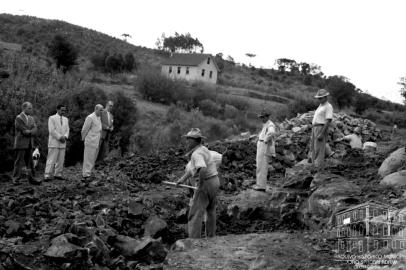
<point x="114" y="63"/>
<point x="31" y="79"/>
<point x="63" y="52"/>
<point x="180" y="43"/>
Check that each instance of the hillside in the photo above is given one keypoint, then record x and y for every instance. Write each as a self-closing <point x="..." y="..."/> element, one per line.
<point x="34" y="34"/>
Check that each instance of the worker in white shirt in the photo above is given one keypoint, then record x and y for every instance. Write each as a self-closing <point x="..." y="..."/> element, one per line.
<point x="321" y="122"/>
<point x="58" y="127"/>
<point x="265" y="151"/>
<point x="205" y="197"/>
<point x="91" y="133"/>
<point x="355" y="140"/>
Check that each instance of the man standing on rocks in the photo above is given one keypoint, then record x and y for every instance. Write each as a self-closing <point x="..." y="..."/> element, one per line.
<point x="205" y="197"/>
<point x="321" y="122"/>
<point x="58" y="127"/>
<point x="265" y="151"/>
<point x="107" y="127"/>
<point x="91" y="132"/>
<point x="25" y="132"/>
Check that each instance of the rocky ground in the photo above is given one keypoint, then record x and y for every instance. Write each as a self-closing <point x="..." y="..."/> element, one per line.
<point x="124" y="218"/>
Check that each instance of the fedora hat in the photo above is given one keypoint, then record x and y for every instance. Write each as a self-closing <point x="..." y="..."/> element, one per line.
<point x="322" y="93"/>
<point x="194" y="133"/>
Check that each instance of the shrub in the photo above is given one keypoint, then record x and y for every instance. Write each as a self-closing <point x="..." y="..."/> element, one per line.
<point x="238" y="102"/>
<point x="301" y="105"/>
<point x="158" y="88"/>
<point x="63" y="52"/>
<point x="210" y="108"/>
<point x="230" y="111"/>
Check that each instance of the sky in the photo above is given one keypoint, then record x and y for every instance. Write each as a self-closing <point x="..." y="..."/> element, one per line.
<point x="363" y="40"/>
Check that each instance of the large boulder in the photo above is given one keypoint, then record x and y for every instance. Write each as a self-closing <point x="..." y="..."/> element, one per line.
<point x="393" y="163"/>
<point x="146" y="250"/>
<point x="155" y="226"/>
<point x="330" y="196"/>
<point x="279" y="206"/>
<point x="62" y="249"/>
<point x="397" y="179"/>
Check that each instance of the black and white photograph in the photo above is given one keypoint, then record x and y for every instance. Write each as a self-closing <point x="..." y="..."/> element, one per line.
<point x="199" y="135"/>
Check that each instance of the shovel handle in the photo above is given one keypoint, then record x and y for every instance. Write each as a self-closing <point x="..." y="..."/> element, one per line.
<point x="181" y="185"/>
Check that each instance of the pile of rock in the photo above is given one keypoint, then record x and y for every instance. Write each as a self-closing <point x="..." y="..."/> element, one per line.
<point x="343" y="124"/>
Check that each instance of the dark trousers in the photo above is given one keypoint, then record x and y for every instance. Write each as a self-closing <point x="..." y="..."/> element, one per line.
<point x="23" y="157"/>
<point x="103" y="149"/>
<point x="204" y="200"/>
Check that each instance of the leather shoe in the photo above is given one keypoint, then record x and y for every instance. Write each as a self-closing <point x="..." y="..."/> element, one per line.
<point x="15" y="181"/>
<point x="34" y="181"/>
<point x="59" y="178"/>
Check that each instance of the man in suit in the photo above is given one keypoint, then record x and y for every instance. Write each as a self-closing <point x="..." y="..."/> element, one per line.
<point x="25" y="132"/>
<point x="107" y="127"/>
<point x="58" y="127"/>
<point x="91" y="133"/>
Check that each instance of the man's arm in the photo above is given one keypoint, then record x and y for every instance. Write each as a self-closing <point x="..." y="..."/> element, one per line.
<point x="104" y="121"/>
<point x="67" y="130"/>
<point x="21" y="126"/>
<point x="324" y="132"/>
<point x="34" y="129"/>
<point x="86" y="127"/>
<point x="270" y="134"/>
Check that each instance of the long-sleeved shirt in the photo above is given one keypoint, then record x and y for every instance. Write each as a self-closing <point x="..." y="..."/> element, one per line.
<point x="91" y="130"/>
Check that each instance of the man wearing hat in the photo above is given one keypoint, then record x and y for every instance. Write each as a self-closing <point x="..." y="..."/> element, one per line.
<point x="321" y="122"/>
<point x="265" y="150"/>
<point x="203" y="166"/>
<point x="355" y="139"/>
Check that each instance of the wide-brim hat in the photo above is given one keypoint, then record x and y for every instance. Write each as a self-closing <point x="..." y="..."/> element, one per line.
<point x="321" y="93"/>
<point x="194" y="133"/>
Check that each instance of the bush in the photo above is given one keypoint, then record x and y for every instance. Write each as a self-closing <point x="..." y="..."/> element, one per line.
<point x="157" y="88"/>
<point x="210" y="108"/>
<point x="63" y="52"/>
<point x="301" y="105"/>
<point x="238" y="102"/>
<point x="230" y="111"/>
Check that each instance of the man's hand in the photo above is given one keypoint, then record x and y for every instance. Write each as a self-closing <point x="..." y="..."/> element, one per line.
<point x="320" y="137"/>
<point x="26" y="132"/>
<point x="62" y="139"/>
<point x="111" y="128"/>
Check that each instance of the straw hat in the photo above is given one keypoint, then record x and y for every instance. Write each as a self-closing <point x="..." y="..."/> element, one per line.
<point x="322" y="93"/>
<point x="194" y="133"/>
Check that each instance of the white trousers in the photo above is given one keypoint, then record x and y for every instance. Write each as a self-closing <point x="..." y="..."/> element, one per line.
<point x="262" y="164"/>
<point x="89" y="158"/>
<point x="55" y="161"/>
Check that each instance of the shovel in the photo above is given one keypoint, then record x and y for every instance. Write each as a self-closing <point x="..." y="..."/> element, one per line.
<point x="181" y="185"/>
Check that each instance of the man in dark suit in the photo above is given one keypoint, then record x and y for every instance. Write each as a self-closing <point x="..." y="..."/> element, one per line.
<point x="25" y="132"/>
<point x="107" y="127"/>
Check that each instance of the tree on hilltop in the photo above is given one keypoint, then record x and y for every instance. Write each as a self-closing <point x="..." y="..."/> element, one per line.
<point x="181" y="43"/>
<point x="63" y="52"/>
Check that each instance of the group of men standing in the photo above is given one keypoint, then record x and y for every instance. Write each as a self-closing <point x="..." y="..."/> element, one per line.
<point x="96" y="132"/>
<point x="322" y="119"/>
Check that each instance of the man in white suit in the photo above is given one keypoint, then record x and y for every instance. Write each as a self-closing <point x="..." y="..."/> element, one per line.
<point x="265" y="150"/>
<point x="58" y="127"/>
<point x="91" y="132"/>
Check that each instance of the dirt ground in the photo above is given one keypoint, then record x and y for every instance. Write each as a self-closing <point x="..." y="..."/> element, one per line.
<point x="122" y="199"/>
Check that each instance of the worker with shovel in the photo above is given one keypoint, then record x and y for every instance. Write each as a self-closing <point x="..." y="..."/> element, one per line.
<point x="202" y="164"/>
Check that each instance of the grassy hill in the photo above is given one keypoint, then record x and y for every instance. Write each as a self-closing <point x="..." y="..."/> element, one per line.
<point x="241" y="91"/>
